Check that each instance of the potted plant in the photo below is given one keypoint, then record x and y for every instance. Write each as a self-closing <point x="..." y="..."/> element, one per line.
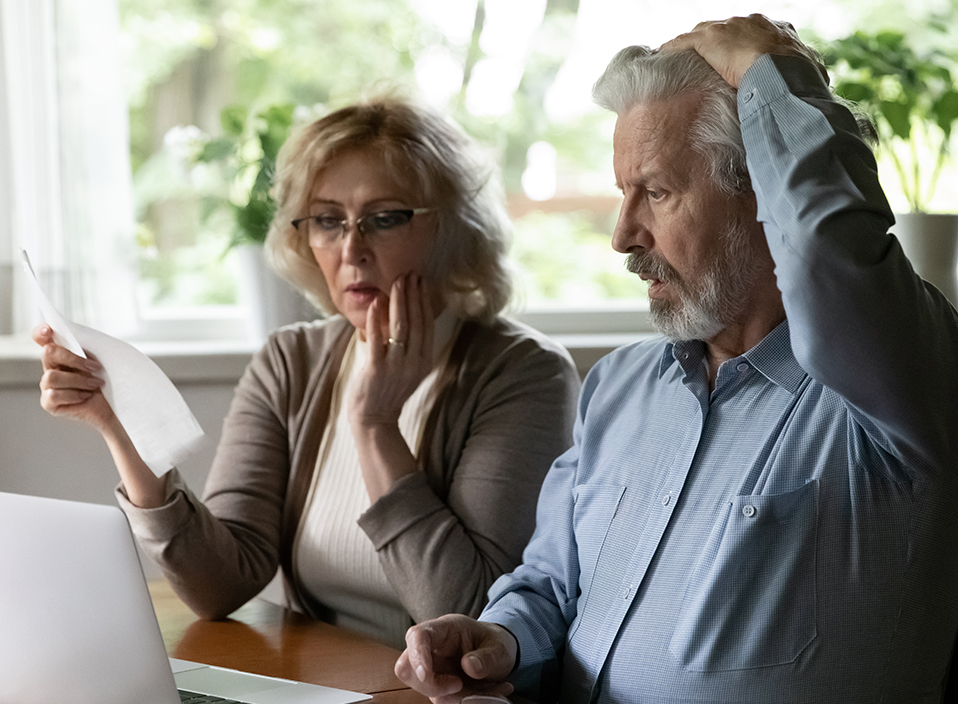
<point x="912" y="99"/>
<point x="246" y="156"/>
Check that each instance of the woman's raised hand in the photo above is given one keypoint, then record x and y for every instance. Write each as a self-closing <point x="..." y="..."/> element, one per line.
<point x="69" y="386"/>
<point x="400" y="357"/>
<point x="400" y="352"/>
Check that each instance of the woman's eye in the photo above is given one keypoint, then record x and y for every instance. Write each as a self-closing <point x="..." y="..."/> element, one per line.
<point x="327" y="222"/>
<point x="388" y="220"/>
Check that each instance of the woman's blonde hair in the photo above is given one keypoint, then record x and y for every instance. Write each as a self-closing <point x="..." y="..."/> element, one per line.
<point x="441" y="164"/>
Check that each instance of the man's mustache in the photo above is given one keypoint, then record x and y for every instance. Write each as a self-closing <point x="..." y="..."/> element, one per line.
<point x="651" y="266"/>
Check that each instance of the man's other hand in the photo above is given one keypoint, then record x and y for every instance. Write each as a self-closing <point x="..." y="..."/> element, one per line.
<point x="454" y="656"/>
<point x="731" y="46"/>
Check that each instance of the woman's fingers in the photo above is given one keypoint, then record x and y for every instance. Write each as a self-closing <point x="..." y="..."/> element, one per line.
<point x="42" y="334"/>
<point x="410" y="318"/>
<point x="399" y="311"/>
<point x="56" y="357"/>
<point x="417" y="325"/>
<point x="60" y="388"/>
<point x="56" y="379"/>
<point x="428" y="318"/>
<point x="374" y="328"/>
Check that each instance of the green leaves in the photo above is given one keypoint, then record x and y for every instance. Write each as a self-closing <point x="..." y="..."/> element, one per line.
<point x="945" y="110"/>
<point x="248" y="151"/>
<point x="233" y="120"/>
<point x="898" y="116"/>
<point x="912" y="97"/>
<point x="275" y="122"/>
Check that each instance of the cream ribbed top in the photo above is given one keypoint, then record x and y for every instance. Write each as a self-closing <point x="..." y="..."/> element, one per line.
<point x="333" y="558"/>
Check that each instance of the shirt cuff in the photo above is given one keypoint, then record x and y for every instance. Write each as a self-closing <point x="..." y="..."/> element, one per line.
<point x="774" y="76"/>
<point x="527" y="673"/>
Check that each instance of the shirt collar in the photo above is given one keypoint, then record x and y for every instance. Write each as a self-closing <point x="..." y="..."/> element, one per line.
<point x="772" y="356"/>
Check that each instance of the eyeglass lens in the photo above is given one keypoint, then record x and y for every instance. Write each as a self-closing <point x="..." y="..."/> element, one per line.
<point x="326" y="230"/>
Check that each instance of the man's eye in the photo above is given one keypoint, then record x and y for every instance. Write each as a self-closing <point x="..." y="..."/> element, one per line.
<point x="388" y="220"/>
<point x="326" y="222"/>
<point x="654" y="194"/>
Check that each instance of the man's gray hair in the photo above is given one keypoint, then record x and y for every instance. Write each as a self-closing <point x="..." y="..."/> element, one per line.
<point x="637" y="74"/>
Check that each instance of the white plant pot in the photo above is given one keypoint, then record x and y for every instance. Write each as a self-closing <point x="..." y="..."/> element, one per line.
<point x="270" y="302"/>
<point x="930" y="241"/>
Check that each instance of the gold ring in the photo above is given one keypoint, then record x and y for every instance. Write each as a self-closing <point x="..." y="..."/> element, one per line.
<point x="398" y="343"/>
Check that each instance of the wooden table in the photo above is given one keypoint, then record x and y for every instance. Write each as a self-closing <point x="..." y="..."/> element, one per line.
<point x="269" y="640"/>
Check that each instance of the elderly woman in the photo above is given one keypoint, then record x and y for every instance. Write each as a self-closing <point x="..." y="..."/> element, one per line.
<point x="388" y="459"/>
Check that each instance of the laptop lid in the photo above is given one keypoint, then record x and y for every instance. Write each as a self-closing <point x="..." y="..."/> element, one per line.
<point x="77" y="624"/>
<point x="77" y="621"/>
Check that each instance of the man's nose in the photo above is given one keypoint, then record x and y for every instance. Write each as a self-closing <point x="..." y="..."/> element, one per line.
<point x="631" y="230"/>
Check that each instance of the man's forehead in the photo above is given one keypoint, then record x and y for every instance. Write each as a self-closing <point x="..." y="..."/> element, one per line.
<point x="666" y="120"/>
<point x="655" y="128"/>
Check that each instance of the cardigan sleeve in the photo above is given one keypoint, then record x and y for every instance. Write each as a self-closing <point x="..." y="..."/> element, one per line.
<point x="220" y="552"/>
<point x="443" y="543"/>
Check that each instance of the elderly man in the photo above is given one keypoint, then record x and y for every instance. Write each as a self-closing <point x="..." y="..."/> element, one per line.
<point x="761" y="507"/>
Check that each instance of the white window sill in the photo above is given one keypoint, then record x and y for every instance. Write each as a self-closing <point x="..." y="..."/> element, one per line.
<point x="587" y="333"/>
<point x="183" y="362"/>
<point x="213" y="362"/>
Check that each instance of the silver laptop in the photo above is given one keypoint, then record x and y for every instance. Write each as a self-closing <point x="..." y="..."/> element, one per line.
<point x="77" y="624"/>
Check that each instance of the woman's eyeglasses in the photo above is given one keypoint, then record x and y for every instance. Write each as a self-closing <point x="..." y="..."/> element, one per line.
<point x="326" y="230"/>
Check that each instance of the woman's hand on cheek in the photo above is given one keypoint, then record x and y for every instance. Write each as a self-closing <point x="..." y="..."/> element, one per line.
<point x="400" y="336"/>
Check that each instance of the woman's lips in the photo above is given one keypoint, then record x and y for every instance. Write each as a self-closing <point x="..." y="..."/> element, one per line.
<point x="362" y="293"/>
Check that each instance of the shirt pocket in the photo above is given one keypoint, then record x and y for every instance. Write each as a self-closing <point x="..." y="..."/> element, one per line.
<point x="595" y="505"/>
<point x="751" y="599"/>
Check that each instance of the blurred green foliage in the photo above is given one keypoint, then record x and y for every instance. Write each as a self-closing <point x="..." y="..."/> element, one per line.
<point x="566" y="258"/>
<point x="912" y="98"/>
<point x="212" y="85"/>
<point x="248" y="159"/>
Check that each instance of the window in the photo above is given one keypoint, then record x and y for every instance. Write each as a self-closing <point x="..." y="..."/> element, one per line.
<point x="155" y="247"/>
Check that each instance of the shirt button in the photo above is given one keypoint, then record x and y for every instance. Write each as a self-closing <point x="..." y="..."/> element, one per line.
<point x="748" y="511"/>
<point x="742" y="367"/>
<point x="627" y="591"/>
<point x="749" y="96"/>
<point x="666" y="499"/>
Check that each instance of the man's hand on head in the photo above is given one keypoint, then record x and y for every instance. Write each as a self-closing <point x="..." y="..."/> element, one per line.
<point x="454" y="656"/>
<point x="731" y="46"/>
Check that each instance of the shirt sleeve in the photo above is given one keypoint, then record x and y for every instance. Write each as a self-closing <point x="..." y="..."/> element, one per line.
<point x="538" y="601"/>
<point x="861" y="321"/>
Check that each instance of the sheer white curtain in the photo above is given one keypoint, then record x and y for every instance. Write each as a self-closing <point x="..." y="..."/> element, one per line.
<point x="65" y="193"/>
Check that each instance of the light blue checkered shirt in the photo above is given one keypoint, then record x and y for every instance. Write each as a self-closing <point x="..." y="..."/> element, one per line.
<point x="790" y="537"/>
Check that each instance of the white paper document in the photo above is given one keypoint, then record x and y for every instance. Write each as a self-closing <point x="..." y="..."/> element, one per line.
<point x="151" y="410"/>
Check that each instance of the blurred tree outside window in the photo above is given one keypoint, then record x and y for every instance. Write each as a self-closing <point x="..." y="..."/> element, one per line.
<point x="516" y="74"/>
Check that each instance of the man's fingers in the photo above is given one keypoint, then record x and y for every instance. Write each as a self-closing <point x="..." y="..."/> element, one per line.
<point x="416" y="666"/>
<point x="419" y="649"/>
<point x="493" y="659"/>
<point x="731" y="46"/>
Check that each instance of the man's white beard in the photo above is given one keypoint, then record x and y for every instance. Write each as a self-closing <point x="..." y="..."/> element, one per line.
<point x="708" y="305"/>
